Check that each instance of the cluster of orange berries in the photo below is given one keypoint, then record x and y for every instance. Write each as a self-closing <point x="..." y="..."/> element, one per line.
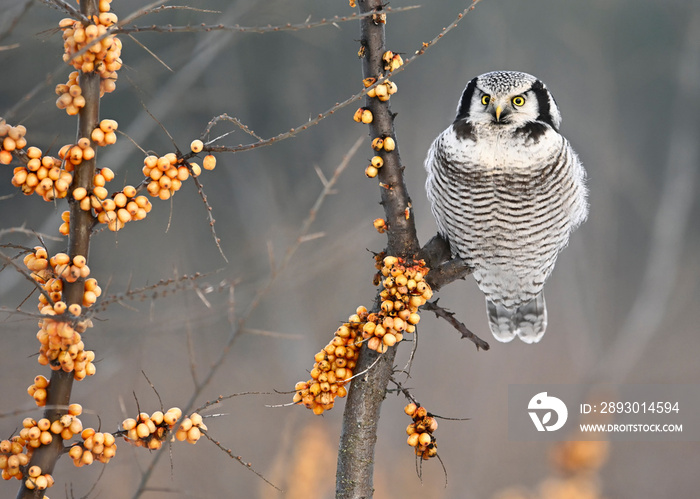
<point x="96" y="446"/>
<point x="420" y="432"/>
<point x="374" y="165"/>
<point x="405" y="291"/>
<point x="378" y="144"/>
<point x="115" y="211"/>
<point x="35" y="480"/>
<point x="101" y="56"/>
<point x="43" y="175"/>
<point x="333" y="367"/>
<point x="105" y="133"/>
<point x="191" y="429"/>
<point x="151" y="431"/>
<point x="383" y="143"/>
<point x="59" y="334"/>
<point x="11" y="139"/>
<point x="38" y="390"/>
<point x="13" y="454"/>
<point x="38" y="433"/>
<point x="392" y="61"/>
<point x="168" y="172"/>
<point x="363" y="115"/>
<point x="70" y="95"/>
<point x="74" y="154"/>
<point x="49" y="271"/>
<point x="383" y="91"/>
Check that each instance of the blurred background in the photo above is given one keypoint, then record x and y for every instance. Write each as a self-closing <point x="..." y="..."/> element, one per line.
<point x="622" y="300"/>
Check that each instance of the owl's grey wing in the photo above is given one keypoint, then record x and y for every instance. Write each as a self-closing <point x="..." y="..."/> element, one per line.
<point x="528" y="321"/>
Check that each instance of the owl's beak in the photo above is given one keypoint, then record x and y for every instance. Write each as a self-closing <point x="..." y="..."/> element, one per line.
<point x="501" y="111"/>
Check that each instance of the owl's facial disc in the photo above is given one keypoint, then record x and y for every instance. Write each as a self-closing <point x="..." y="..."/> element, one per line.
<point x="508" y="109"/>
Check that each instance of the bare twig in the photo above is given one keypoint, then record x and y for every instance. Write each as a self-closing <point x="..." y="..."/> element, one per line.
<point x="248" y="29"/>
<point x="27" y="275"/>
<point x="443" y="313"/>
<point x="200" y="190"/>
<point x="239" y="459"/>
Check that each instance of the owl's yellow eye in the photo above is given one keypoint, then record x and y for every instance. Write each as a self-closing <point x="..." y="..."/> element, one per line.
<point x="518" y="100"/>
<point x="485" y="99"/>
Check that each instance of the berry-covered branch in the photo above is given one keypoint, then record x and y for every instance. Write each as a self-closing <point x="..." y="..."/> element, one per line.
<point x="361" y="416"/>
<point x="363" y="348"/>
<point x="61" y="382"/>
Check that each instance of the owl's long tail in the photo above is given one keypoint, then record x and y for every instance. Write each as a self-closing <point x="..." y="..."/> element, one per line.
<point x="528" y="321"/>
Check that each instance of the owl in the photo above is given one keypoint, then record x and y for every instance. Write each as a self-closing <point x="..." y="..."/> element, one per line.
<point x="507" y="190"/>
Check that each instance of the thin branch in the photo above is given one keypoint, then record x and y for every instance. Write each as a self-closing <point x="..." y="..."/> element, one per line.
<point x="249" y="29"/>
<point x="200" y="190"/>
<point x="354" y="98"/>
<point x="67" y="8"/>
<point x="26" y="274"/>
<point x="28" y="232"/>
<point x="230" y="453"/>
<point x="221" y="398"/>
<point x="152" y="54"/>
<point x="443" y="313"/>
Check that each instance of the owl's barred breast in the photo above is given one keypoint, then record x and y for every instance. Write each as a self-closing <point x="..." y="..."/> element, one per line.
<point x="507" y="202"/>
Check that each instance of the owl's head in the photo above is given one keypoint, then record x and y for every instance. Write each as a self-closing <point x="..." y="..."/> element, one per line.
<point x="508" y="98"/>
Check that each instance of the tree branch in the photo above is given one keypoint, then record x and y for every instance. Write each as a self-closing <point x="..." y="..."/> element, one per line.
<point x="81" y="222"/>
<point x="359" y="434"/>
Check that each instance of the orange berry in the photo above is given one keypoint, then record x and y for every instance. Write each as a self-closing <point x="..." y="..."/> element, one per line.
<point x="209" y="162"/>
<point x="33" y="152"/>
<point x="5" y="157"/>
<point x="196" y="146"/>
<point x="100" y="192"/>
<point x="108" y="126"/>
<point x="98" y="135"/>
<point x="120" y="199"/>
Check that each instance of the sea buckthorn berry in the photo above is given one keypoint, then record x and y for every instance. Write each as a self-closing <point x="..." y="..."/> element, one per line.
<point x="377" y="162"/>
<point x="209" y="162"/>
<point x="389" y="144"/>
<point x="380" y="225"/>
<point x="129" y="191"/>
<point x="108" y="125"/>
<point x="196" y="146"/>
<point x="371" y="171"/>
